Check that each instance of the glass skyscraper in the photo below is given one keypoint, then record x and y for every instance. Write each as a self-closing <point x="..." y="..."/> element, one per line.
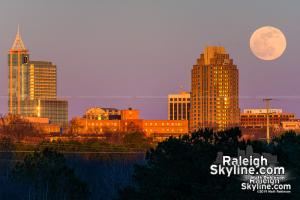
<point x="18" y="58"/>
<point x="32" y="86"/>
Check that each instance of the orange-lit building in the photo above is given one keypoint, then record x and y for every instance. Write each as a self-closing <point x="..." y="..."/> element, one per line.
<point x="162" y="129"/>
<point x="131" y="122"/>
<point x="214" y="91"/>
<point x="257" y="118"/>
<point x="43" y="124"/>
<point x="102" y="113"/>
<point x="179" y="106"/>
<point x="291" y="125"/>
<point x="130" y="114"/>
<point x="254" y="123"/>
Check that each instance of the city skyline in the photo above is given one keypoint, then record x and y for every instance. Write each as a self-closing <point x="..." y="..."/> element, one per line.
<point x="166" y="68"/>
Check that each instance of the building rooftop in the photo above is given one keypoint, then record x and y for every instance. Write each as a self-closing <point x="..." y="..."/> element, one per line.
<point x="18" y="44"/>
<point x="261" y="111"/>
<point x="210" y="51"/>
<point x="180" y="94"/>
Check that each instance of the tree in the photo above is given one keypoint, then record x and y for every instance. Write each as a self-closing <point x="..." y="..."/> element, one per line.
<point x="113" y="137"/>
<point x="136" y="139"/>
<point x="17" y="128"/>
<point x="6" y="147"/>
<point x="179" y="168"/>
<point x="48" y="177"/>
<point x="75" y="127"/>
<point x="6" y="144"/>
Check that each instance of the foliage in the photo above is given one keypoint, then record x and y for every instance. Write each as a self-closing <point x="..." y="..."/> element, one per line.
<point x="113" y="138"/>
<point x="94" y="145"/>
<point x="136" y="139"/>
<point x="179" y="168"/>
<point x="17" y="128"/>
<point x="6" y="155"/>
<point x="49" y="177"/>
<point x="6" y="144"/>
<point x="74" y="127"/>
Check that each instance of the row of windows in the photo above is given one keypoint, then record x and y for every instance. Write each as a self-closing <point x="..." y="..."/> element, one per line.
<point x="164" y="130"/>
<point x="263" y="116"/>
<point x="163" y="124"/>
<point x="179" y="99"/>
<point x="102" y="124"/>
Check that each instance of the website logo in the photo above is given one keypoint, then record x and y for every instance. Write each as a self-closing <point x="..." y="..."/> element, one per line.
<point x="259" y="172"/>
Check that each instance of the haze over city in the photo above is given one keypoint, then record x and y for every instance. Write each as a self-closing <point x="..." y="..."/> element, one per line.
<point x="151" y="100"/>
<point x="133" y="54"/>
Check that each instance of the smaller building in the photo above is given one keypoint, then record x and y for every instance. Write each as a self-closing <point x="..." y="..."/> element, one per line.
<point x="162" y="129"/>
<point x="257" y="118"/>
<point x="254" y="122"/>
<point x="54" y="109"/>
<point x="42" y="124"/>
<point x="97" y="113"/>
<point x="179" y="106"/>
<point x="291" y="125"/>
<point x="130" y="122"/>
<point x="39" y="120"/>
<point x="130" y="114"/>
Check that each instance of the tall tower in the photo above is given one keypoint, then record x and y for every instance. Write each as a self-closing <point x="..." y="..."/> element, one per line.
<point x="18" y="91"/>
<point x="214" y="95"/>
<point x="32" y="86"/>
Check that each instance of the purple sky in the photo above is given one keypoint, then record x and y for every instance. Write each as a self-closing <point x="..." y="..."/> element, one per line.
<point x="135" y="52"/>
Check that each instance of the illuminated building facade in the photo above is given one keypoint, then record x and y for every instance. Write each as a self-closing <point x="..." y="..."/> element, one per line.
<point x="43" y="124"/>
<point x="291" y="125"/>
<point x="42" y="80"/>
<point x="54" y="109"/>
<point x="98" y="113"/>
<point x="130" y="114"/>
<point x="215" y="90"/>
<point x="254" y="123"/>
<point x="32" y="86"/>
<point x="40" y="124"/>
<point x="179" y="106"/>
<point x="131" y="122"/>
<point x="257" y="118"/>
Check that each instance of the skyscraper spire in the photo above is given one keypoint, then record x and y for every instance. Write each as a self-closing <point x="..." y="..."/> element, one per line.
<point x="18" y="43"/>
<point x="18" y="31"/>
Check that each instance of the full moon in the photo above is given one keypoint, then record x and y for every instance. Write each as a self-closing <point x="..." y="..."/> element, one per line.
<point x="267" y="43"/>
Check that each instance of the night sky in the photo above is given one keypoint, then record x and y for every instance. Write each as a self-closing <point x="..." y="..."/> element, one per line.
<point x="133" y="53"/>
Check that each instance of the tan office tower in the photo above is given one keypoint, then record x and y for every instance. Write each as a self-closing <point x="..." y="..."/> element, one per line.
<point x="215" y="90"/>
<point x="179" y="106"/>
<point x="42" y="76"/>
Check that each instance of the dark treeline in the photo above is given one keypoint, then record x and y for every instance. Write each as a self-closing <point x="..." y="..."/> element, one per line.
<point x="44" y="173"/>
<point x="177" y="168"/>
<point x="25" y="136"/>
